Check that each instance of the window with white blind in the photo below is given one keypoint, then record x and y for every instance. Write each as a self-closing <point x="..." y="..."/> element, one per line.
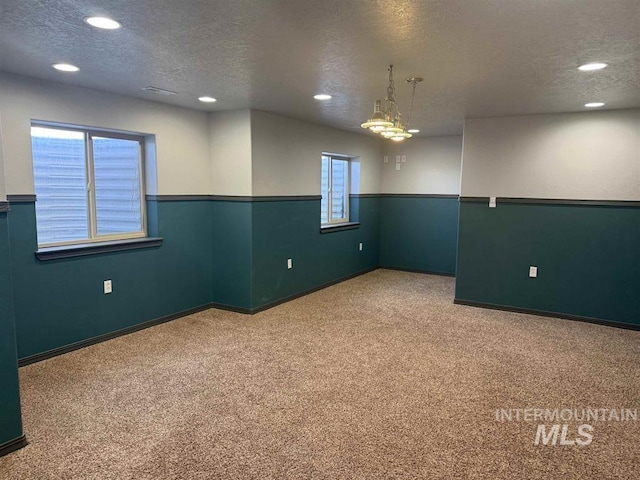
<point x="335" y="190"/>
<point x="89" y="185"/>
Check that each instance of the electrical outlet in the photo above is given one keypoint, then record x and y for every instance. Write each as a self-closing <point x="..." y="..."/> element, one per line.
<point x="397" y="166"/>
<point x="289" y="263"/>
<point x="360" y="246"/>
<point x="404" y="158"/>
<point x="492" y="202"/>
<point x="533" y="271"/>
<point x="108" y="286"/>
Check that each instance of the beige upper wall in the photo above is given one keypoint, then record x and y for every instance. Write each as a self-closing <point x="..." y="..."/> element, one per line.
<point x="286" y="155"/>
<point x="223" y="153"/>
<point x="591" y="155"/>
<point x="181" y="135"/>
<point x="432" y="166"/>
<point x="3" y="191"/>
<point x="231" y="152"/>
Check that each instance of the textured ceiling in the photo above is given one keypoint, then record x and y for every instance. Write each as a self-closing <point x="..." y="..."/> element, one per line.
<point x="478" y="57"/>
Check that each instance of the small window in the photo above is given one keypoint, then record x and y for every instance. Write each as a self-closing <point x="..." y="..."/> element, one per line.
<point x="89" y="185"/>
<point x="335" y="190"/>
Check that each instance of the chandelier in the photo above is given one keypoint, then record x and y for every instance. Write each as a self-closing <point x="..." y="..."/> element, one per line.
<point x="388" y="122"/>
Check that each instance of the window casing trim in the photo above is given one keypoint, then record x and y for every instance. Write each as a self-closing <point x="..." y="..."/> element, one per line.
<point x="89" y="133"/>
<point x="330" y="222"/>
<point x="339" y="227"/>
<point x="96" y="248"/>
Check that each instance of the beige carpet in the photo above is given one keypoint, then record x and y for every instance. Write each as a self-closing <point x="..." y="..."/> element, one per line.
<point x="380" y="377"/>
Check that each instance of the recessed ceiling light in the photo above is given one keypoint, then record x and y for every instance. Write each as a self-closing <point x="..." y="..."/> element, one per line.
<point x="413" y="130"/>
<point x="65" y="67"/>
<point x="322" y="96"/>
<point x="594" y="104"/>
<point x="589" y="67"/>
<point x="103" y="22"/>
<point x="207" y="99"/>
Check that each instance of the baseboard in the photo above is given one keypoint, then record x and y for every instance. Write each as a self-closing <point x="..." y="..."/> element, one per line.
<point x="544" y="313"/>
<point x="13" y="445"/>
<point x="275" y="303"/>
<point x="38" y="357"/>
<point x="415" y="270"/>
<point x="230" y="308"/>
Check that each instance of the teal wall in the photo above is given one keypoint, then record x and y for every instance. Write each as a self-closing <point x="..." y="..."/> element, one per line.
<point x="60" y="302"/>
<point x="231" y="253"/>
<point x="10" y="419"/>
<point x="234" y="253"/>
<point x="588" y="258"/>
<point x="419" y="233"/>
<point x="291" y="229"/>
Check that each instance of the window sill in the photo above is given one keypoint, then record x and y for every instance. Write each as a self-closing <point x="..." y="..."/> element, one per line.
<point x="338" y="227"/>
<point x="83" y="249"/>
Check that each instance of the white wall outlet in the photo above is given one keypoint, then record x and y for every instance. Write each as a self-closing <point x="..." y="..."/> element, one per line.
<point x="360" y="246"/>
<point x="289" y="263"/>
<point x="404" y="158"/>
<point x="386" y="159"/>
<point x="533" y="271"/>
<point x="397" y="166"/>
<point x="108" y="286"/>
<point x="492" y="202"/>
<point x="397" y="158"/>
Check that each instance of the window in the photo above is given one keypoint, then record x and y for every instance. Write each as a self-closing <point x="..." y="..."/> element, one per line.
<point x="88" y="185"/>
<point x="335" y="190"/>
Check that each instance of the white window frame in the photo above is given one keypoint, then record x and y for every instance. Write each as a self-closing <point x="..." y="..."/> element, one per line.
<point x="348" y="159"/>
<point x="92" y="222"/>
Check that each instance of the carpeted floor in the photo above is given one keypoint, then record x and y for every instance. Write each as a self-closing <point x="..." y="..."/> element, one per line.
<point x="379" y="377"/>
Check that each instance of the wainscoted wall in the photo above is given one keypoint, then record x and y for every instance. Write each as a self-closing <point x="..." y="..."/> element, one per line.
<point x="587" y="257"/>
<point x="291" y="229"/>
<point x="223" y="244"/>
<point x="419" y="204"/>
<point x="419" y="232"/>
<point x="10" y="419"/>
<point x="585" y="244"/>
<point x="61" y="302"/>
<point x="231" y="253"/>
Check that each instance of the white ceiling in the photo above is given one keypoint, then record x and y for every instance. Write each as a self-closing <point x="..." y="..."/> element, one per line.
<point x="478" y="57"/>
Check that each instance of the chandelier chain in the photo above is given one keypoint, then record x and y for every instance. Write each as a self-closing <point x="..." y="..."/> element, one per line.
<point x="413" y="94"/>
<point x="391" y="92"/>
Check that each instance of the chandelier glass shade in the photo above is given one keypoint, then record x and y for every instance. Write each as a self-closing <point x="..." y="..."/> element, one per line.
<point x="387" y="122"/>
<point x="378" y="121"/>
